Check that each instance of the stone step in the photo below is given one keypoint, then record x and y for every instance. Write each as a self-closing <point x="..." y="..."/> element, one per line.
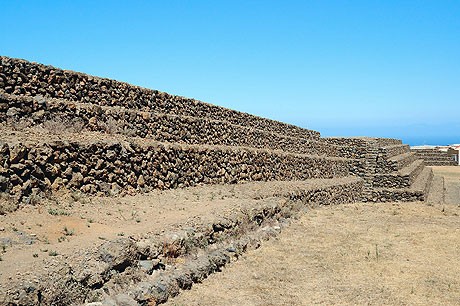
<point x="401" y="179"/>
<point x="417" y="191"/>
<point x="440" y="163"/>
<point x="395" y="163"/>
<point x="395" y="195"/>
<point x="437" y="191"/>
<point x="57" y="115"/>
<point x="435" y="156"/>
<point x="393" y="150"/>
<point x="21" y="77"/>
<point x="100" y="163"/>
<point x="426" y="151"/>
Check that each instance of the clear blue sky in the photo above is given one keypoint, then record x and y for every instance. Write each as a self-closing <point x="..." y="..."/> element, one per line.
<point x="344" y="68"/>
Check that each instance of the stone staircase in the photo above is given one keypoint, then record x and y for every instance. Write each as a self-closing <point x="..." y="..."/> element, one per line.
<point x="400" y="175"/>
<point x="392" y="171"/>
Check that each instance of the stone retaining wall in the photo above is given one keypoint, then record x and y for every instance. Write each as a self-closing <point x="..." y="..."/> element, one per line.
<point x="384" y="142"/>
<point x="397" y="195"/>
<point x="394" y="150"/>
<point x="384" y="179"/>
<point x="33" y="111"/>
<point x="385" y="165"/>
<point x="401" y="179"/>
<point x="435" y="157"/>
<point x="112" y="166"/>
<point x="21" y="77"/>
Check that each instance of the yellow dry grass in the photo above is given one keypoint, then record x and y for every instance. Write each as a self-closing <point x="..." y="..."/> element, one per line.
<point x="355" y="254"/>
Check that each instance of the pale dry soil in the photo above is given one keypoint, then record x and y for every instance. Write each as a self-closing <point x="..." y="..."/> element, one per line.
<point x="353" y="254"/>
<point x="73" y="221"/>
<point x="451" y="176"/>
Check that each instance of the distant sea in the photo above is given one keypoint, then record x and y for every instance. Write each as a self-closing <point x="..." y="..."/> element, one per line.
<point x="430" y="140"/>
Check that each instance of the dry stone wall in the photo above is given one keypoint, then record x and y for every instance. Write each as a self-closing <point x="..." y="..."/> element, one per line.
<point x="238" y="146"/>
<point x="435" y="157"/>
<point x="404" y="195"/>
<point x="394" y="150"/>
<point x="384" y="142"/>
<point x="33" y="111"/>
<point x="113" y="166"/>
<point x="387" y="165"/>
<point x="21" y="77"/>
<point x="390" y="169"/>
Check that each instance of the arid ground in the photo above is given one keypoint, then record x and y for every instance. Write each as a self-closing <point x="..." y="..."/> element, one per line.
<point x="364" y="253"/>
<point x="353" y="254"/>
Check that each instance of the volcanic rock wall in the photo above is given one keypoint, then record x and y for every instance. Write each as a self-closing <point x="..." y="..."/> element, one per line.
<point x="100" y="119"/>
<point x="435" y="157"/>
<point x="57" y="114"/>
<point x="391" y="171"/>
<point x="21" y="77"/>
<point x="110" y="166"/>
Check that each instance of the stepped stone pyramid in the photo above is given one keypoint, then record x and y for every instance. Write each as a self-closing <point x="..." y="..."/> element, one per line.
<point x="435" y="157"/>
<point x="64" y="130"/>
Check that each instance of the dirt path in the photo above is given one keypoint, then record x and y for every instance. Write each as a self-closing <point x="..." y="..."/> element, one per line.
<point x="398" y="254"/>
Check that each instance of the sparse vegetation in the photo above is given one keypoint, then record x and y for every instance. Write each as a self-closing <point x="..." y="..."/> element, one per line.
<point x="68" y="232"/>
<point x="56" y="212"/>
<point x="52" y="253"/>
<point x="111" y="126"/>
<point x="61" y="239"/>
<point x="59" y="125"/>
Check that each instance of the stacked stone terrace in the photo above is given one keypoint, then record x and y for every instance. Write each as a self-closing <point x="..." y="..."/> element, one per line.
<point x="392" y="171"/>
<point x="435" y="157"/>
<point x="67" y="130"/>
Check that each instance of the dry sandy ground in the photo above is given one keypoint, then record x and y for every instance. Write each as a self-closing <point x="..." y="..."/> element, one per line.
<point x="30" y="235"/>
<point x="452" y="182"/>
<point x="73" y="221"/>
<point x="354" y="254"/>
